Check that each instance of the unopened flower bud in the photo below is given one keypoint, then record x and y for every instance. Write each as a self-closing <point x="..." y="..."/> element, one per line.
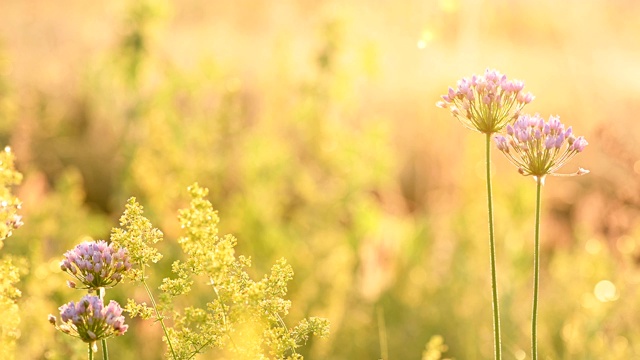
<point x="579" y="144"/>
<point x="501" y="143"/>
<point x="65" y="328"/>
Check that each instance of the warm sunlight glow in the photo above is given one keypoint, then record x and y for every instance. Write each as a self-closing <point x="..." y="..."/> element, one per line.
<point x="426" y="37"/>
<point x="448" y="6"/>
<point x="593" y="246"/>
<point x="605" y="291"/>
<point x="370" y="144"/>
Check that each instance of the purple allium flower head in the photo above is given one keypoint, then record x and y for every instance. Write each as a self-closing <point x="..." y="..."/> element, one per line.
<point x="540" y="148"/>
<point x="90" y="320"/>
<point x="486" y="103"/>
<point x="96" y="264"/>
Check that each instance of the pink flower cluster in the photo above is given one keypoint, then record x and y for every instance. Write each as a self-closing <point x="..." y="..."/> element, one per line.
<point x="90" y="320"/>
<point x="96" y="264"/>
<point x="486" y="103"/>
<point x="14" y="222"/>
<point x="540" y="148"/>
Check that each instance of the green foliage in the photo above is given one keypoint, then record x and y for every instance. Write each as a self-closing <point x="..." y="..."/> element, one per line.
<point x="9" y="272"/>
<point x="9" y="313"/>
<point x="138" y="236"/>
<point x="242" y="317"/>
<point x="9" y="204"/>
<point x="434" y="349"/>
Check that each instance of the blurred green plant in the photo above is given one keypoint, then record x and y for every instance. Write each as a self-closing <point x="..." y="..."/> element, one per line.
<point x="9" y="204"/>
<point x="435" y="348"/>
<point x="285" y="165"/>
<point x="9" y="272"/>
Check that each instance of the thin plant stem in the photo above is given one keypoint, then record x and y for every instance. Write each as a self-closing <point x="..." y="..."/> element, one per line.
<point x="105" y="352"/>
<point x="224" y="315"/>
<point x="158" y="316"/>
<point x="90" y="352"/>
<point x="536" y="274"/>
<point x="492" y="250"/>
<point x="382" y="334"/>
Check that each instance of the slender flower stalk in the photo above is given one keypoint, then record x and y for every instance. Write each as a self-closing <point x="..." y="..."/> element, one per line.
<point x="492" y="258"/>
<point x="536" y="273"/>
<point x="539" y="148"/>
<point x="159" y="316"/>
<point x="105" y="351"/>
<point x="487" y="103"/>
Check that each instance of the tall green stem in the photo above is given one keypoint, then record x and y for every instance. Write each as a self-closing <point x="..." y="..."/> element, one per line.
<point x="158" y="316"/>
<point x="90" y="352"/>
<point x="105" y="352"/>
<point x="382" y="334"/>
<point x="536" y="274"/>
<point x="492" y="246"/>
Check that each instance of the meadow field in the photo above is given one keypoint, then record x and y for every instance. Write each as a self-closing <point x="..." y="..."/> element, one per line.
<point x="313" y="124"/>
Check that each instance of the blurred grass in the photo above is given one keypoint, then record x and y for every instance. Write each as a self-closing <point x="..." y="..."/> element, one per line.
<point x="314" y="126"/>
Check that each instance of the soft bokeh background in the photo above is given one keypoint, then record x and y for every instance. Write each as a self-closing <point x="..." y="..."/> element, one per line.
<point x="313" y="124"/>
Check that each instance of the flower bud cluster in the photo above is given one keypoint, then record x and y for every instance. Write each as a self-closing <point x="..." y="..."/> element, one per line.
<point x="90" y="320"/>
<point x="538" y="147"/>
<point x="96" y="264"/>
<point x="486" y="103"/>
<point x="14" y="222"/>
